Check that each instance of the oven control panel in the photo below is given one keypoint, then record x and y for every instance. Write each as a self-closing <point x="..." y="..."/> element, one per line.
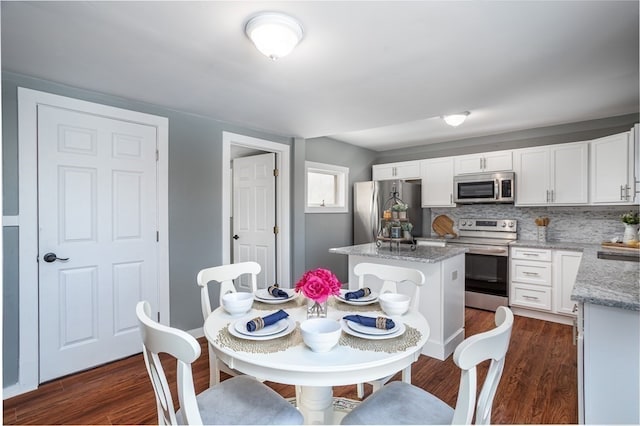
<point x="502" y="225"/>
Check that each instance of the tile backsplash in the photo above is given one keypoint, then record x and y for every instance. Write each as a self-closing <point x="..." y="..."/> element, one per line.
<point x="588" y="224"/>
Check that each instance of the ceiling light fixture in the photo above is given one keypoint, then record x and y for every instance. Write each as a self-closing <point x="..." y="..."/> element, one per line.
<point x="274" y="34"/>
<point x="456" y="119"/>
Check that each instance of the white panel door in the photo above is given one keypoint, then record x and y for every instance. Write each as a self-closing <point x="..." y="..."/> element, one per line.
<point x="254" y="210"/>
<point x="97" y="194"/>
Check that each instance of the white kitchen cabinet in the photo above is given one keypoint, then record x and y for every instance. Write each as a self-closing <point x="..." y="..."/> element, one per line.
<point x="495" y="161"/>
<point x="541" y="280"/>
<point x="402" y="170"/>
<point x="530" y="278"/>
<point x="552" y="175"/>
<point x="437" y="182"/>
<point x="565" y="270"/>
<point x="608" y="367"/>
<point x="612" y="170"/>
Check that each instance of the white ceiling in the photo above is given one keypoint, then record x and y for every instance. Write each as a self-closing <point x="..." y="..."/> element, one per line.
<point x="374" y="74"/>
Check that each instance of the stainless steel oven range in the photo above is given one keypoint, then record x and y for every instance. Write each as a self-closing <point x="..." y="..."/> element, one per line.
<point x="487" y="261"/>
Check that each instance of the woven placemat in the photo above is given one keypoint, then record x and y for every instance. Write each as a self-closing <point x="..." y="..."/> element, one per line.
<point x="295" y="303"/>
<point x="346" y="307"/>
<point x="226" y="339"/>
<point x="409" y="338"/>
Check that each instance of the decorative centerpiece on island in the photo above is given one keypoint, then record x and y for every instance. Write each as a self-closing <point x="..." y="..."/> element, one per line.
<point x="399" y="210"/>
<point x="317" y="285"/>
<point x="631" y="221"/>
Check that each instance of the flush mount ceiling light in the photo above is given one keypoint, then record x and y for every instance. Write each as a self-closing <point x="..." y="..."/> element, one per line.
<point x="456" y="119"/>
<point x="274" y="34"/>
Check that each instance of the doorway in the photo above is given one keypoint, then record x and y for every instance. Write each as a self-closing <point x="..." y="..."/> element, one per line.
<point x="232" y="145"/>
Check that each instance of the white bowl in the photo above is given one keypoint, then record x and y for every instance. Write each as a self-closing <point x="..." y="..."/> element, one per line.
<point x="394" y="303"/>
<point x="320" y="334"/>
<point x="237" y="303"/>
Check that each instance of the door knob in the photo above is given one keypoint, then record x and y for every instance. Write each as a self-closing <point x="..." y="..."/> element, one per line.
<point x="235" y="237"/>
<point x="51" y="257"/>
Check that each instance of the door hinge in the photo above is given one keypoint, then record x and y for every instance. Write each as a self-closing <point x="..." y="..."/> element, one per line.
<point x="157" y="155"/>
<point x="157" y="236"/>
<point x="276" y="172"/>
<point x="276" y="229"/>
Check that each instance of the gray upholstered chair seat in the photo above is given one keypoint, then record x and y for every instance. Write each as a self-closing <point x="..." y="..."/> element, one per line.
<point x="400" y="403"/>
<point x="244" y="400"/>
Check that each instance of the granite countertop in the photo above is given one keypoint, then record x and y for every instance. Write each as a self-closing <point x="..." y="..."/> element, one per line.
<point x="422" y="254"/>
<point x="604" y="282"/>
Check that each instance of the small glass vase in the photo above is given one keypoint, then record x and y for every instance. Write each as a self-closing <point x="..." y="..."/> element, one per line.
<point x="316" y="309"/>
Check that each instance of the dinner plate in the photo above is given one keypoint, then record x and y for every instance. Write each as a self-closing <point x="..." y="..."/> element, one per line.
<point x="263" y="296"/>
<point x="241" y="327"/>
<point x="371" y="330"/>
<point x="366" y="300"/>
<point x="291" y="325"/>
<point x="400" y="329"/>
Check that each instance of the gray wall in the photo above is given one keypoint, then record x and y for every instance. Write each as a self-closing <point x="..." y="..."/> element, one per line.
<point x="195" y="183"/>
<point x="326" y="230"/>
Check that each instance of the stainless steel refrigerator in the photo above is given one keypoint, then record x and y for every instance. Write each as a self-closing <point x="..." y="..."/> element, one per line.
<point x="369" y="199"/>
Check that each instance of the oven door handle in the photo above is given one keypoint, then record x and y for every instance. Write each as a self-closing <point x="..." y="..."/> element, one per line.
<point x="489" y="251"/>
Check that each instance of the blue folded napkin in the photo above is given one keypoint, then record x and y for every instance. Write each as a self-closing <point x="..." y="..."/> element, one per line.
<point x="261" y="322"/>
<point x="275" y="291"/>
<point x="363" y="292"/>
<point x="379" y="322"/>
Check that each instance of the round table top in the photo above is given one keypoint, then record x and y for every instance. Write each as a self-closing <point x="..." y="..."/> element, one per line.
<point x="288" y="360"/>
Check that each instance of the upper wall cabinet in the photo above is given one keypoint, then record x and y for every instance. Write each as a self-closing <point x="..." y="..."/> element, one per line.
<point x="437" y="182"/>
<point x="556" y="174"/>
<point x="402" y="170"/>
<point x="612" y="170"/>
<point x="496" y="161"/>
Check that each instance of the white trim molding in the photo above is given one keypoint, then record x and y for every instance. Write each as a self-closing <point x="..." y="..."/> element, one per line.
<point x="283" y="163"/>
<point x="28" y="101"/>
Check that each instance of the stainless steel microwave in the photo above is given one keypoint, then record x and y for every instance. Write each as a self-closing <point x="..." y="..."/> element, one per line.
<point x="484" y="188"/>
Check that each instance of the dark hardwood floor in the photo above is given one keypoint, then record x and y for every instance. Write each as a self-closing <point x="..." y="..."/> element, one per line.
<point x="538" y="384"/>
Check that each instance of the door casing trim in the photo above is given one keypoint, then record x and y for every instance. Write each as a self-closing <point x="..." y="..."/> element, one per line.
<point x="283" y="217"/>
<point x="28" y="101"/>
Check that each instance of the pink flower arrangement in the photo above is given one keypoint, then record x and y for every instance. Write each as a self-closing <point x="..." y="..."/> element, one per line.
<point x="318" y="285"/>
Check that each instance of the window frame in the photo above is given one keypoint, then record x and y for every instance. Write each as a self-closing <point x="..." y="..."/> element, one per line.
<point x="342" y="191"/>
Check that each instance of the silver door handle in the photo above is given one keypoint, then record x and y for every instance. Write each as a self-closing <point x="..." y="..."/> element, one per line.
<point x="622" y="193"/>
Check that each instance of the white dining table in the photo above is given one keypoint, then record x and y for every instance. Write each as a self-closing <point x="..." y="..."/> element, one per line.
<point x="288" y="360"/>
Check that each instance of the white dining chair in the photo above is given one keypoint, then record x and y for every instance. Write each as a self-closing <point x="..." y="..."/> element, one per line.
<point x="402" y="403"/>
<point x="238" y="400"/>
<point x="224" y="275"/>
<point x="391" y="277"/>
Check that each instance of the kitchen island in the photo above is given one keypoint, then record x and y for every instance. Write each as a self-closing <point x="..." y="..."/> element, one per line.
<point x="441" y="296"/>
<point x="608" y="296"/>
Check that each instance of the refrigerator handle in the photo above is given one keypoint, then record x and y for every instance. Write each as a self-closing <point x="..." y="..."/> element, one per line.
<point x="375" y="213"/>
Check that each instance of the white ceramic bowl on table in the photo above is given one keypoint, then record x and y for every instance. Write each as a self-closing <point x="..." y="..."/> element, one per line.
<point x="394" y="303"/>
<point x="320" y="334"/>
<point x="237" y="303"/>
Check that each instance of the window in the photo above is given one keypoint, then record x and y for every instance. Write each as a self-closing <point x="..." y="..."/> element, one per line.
<point x="326" y="188"/>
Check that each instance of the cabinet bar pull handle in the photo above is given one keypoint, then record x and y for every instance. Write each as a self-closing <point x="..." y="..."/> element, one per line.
<point x="531" y="274"/>
<point x="530" y="297"/>
<point x="622" y="193"/>
<point x="530" y="254"/>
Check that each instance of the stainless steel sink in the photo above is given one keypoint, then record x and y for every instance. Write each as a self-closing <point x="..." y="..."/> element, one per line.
<point x="629" y="257"/>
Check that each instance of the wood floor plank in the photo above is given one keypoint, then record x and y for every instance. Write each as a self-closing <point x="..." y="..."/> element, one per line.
<point x="538" y="384"/>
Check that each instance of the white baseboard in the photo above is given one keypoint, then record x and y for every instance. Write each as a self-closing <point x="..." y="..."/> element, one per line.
<point x="15" y="390"/>
<point x="196" y="332"/>
<point x="545" y="316"/>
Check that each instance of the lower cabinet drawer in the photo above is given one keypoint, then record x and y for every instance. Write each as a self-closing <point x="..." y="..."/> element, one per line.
<point x="530" y="296"/>
<point x="531" y="272"/>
